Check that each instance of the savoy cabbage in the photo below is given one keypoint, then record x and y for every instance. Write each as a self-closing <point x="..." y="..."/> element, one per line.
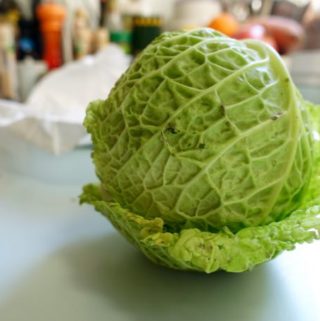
<point x="206" y="155"/>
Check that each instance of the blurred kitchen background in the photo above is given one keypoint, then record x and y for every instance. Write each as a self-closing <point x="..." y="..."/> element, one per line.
<point x="57" y="56"/>
<point x="39" y="36"/>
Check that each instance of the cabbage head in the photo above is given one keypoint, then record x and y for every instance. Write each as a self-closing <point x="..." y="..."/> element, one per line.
<point x="206" y="154"/>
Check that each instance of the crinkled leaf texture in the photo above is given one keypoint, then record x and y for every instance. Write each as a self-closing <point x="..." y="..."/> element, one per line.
<point x="196" y="250"/>
<point x="204" y="150"/>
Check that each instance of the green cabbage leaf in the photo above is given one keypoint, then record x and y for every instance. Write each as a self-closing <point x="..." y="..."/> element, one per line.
<point x="196" y="250"/>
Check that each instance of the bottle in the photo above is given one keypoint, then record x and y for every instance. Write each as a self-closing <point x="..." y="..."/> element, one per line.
<point x="36" y="34"/>
<point x="51" y="17"/>
<point x="134" y="8"/>
<point x="100" y="39"/>
<point x="82" y="34"/>
<point x="118" y="34"/>
<point x="145" y="29"/>
<point x="8" y="66"/>
<point x="103" y="13"/>
<point x="9" y="12"/>
<point x="26" y="46"/>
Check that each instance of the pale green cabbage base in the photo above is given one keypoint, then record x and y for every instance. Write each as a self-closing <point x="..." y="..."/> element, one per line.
<point x="196" y="250"/>
<point x="204" y="151"/>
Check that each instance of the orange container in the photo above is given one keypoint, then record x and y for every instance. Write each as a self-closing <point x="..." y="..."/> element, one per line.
<point x="51" y="17"/>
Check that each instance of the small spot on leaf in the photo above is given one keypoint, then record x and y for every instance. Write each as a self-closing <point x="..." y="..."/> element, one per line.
<point x="276" y="116"/>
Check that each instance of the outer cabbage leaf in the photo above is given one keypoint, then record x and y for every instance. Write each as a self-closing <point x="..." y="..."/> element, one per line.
<point x="196" y="250"/>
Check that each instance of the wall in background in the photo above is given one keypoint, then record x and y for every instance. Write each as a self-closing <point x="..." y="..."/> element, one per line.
<point x="164" y="7"/>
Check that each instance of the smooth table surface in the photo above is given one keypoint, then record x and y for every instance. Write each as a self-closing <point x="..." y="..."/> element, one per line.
<point x="60" y="261"/>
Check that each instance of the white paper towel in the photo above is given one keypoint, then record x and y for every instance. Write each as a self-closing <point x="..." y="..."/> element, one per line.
<point x="53" y="115"/>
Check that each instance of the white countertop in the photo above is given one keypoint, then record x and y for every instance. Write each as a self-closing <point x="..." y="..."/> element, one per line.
<point x="60" y="261"/>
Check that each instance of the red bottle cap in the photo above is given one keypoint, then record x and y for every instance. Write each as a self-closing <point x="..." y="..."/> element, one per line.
<point x="51" y="16"/>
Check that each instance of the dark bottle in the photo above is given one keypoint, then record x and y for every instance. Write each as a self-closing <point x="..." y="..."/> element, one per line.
<point x="28" y="35"/>
<point x="26" y="44"/>
<point x="36" y="34"/>
<point x="145" y="30"/>
<point x="103" y="13"/>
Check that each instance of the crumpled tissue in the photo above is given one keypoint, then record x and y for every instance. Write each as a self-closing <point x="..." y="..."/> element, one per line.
<point x="53" y="115"/>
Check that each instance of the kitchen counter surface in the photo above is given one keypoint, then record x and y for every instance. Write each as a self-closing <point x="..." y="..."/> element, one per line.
<point x="60" y="261"/>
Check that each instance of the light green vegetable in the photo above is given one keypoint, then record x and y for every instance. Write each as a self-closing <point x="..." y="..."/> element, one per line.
<point x="206" y="154"/>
